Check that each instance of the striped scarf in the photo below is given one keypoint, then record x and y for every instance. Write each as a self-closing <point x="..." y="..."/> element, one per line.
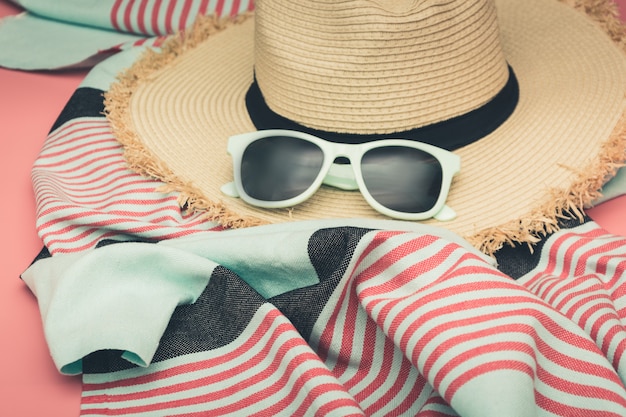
<point x="164" y="313"/>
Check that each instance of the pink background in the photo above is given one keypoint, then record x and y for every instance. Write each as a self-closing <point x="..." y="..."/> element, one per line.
<point x="29" y="105"/>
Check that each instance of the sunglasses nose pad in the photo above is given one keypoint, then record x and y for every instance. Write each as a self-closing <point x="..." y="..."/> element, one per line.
<point x="230" y="189"/>
<point x="445" y="214"/>
<point x="341" y="176"/>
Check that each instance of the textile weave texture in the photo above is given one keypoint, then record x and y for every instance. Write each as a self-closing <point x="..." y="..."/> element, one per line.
<point x="396" y="322"/>
<point x="166" y="314"/>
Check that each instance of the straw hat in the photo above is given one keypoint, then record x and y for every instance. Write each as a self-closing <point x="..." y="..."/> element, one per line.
<point x="529" y="93"/>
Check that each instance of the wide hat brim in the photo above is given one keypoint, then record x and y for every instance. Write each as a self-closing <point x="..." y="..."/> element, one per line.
<point x="174" y="110"/>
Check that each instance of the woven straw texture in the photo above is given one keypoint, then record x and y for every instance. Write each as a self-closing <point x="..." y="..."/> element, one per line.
<point x="174" y="110"/>
<point x="360" y="67"/>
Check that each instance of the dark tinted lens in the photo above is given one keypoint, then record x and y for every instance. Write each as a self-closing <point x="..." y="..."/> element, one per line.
<point x="402" y="179"/>
<point x="279" y="168"/>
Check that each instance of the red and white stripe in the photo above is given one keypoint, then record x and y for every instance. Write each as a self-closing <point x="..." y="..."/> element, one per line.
<point x="268" y="370"/>
<point x="85" y="193"/>
<point x="360" y="355"/>
<point x="161" y="17"/>
<point x="582" y="275"/>
<point x="459" y="321"/>
<point x="417" y="326"/>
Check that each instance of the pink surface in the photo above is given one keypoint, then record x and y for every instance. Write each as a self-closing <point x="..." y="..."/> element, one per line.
<point x="29" y="382"/>
<point x="30" y="103"/>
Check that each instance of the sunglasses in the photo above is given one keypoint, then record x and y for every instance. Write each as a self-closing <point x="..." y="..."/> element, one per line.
<point x="399" y="178"/>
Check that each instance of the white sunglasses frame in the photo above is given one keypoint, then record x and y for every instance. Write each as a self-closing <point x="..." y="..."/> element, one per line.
<point x="339" y="176"/>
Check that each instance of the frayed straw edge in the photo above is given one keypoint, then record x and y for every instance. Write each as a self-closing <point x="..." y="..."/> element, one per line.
<point x="139" y="158"/>
<point x="567" y="204"/>
<point x="605" y="14"/>
<point x="564" y="204"/>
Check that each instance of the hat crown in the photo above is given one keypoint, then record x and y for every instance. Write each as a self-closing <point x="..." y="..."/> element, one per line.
<point x="377" y="66"/>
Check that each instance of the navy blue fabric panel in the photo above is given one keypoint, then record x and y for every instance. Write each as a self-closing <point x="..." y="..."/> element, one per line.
<point x="330" y="251"/>
<point x="85" y="102"/>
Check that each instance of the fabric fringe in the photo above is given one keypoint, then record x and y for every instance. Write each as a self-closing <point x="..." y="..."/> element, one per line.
<point x="564" y="204"/>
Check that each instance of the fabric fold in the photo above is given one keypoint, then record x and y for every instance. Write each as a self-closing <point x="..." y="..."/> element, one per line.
<point x="31" y="42"/>
<point x="121" y="296"/>
<point x="400" y="322"/>
<point x="76" y="34"/>
<point x="329" y="316"/>
<point x="113" y="298"/>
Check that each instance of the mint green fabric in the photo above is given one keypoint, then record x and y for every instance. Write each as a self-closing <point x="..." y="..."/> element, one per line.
<point x="116" y="297"/>
<point x="29" y="42"/>
<point x="103" y="74"/>
<point x="122" y="296"/>
<point x="614" y="188"/>
<point x="94" y="13"/>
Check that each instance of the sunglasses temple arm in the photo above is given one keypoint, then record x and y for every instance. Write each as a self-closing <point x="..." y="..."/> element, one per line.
<point x="230" y="190"/>
<point x="445" y="214"/>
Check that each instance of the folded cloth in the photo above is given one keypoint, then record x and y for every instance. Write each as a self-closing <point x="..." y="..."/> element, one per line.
<point x="30" y="42"/>
<point x="119" y="297"/>
<point x="68" y="33"/>
<point x="122" y="296"/>
<point x="118" y="203"/>
<point x="334" y="318"/>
